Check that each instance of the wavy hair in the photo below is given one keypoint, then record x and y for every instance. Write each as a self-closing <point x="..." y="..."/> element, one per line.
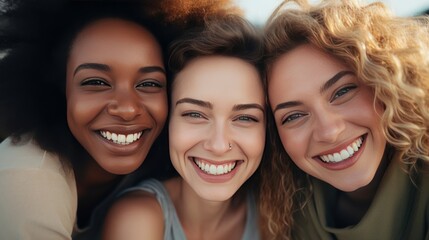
<point x="389" y="54"/>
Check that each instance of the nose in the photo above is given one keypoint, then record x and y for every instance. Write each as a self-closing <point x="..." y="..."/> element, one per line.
<point x="125" y="105"/>
<point x="217" y="140"/>
<point x="329" y="126"/>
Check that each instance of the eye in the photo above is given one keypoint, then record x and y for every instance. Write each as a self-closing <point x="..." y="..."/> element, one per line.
<point x="193" y="115"/>
<point x="246" y="118"/>
<point x="149" y="84"/>
<point x="95" y="82"/>
<point x="293" y="117"/>
<point x="343" y="91"/>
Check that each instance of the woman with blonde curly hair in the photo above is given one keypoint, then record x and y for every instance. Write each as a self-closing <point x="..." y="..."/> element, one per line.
<point x="348" y="86"/>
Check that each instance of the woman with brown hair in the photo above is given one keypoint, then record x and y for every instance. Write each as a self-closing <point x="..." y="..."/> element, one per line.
<point x="216" y="137"/>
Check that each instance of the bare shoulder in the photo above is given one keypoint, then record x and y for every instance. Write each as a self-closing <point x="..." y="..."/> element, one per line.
<point x="136" y="215"/>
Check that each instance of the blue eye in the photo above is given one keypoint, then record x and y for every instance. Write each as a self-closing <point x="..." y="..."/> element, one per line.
<point x="343" y="91"/>
<point x="193" y="115"/>
<point x="246" y="118"/>
<point x="293" y="117"/>
<point x="94" y="82"/>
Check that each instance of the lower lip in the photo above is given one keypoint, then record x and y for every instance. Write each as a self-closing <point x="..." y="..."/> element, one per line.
<point x="215" y="178"/>
<point x="346" y="163"/>
<point x="120" y="149"/>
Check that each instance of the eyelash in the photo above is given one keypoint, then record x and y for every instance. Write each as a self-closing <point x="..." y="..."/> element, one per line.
<point x="94" y="82"/>
<point x="193" y="115"/>
<point x="343" y="91"/>
<point x="293" y="117"/>
<point x="247" y="118"/>
<point x="150" y="83"/>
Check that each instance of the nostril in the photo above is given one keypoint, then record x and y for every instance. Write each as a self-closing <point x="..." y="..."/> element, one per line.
<point x="125" y="111"/>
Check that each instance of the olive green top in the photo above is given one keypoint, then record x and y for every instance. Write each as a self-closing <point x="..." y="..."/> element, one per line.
<point x="400" y="210"/>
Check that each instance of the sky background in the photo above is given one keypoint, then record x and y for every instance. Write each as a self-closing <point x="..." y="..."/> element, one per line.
<point x="258" y="11"/>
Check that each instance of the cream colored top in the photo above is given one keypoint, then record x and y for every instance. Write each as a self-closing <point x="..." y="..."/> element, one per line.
<point x="38" y="198"/>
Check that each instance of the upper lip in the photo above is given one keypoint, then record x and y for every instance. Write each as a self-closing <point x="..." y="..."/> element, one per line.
<point x="123" y="129"/>
<point x="338" y="148"/>
<point x="215" y="162"/>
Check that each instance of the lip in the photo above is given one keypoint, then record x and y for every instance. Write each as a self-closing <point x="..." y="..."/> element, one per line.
<point x="216" y="178"/>
<point x="343" y="164"/>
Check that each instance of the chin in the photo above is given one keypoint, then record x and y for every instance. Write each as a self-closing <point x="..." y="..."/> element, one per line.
<point x="354" y="185"/>
<point x="216" y="196"/>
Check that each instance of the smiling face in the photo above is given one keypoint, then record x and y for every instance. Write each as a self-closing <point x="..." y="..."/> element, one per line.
<point x="217" y="102"/>
<point x="326" y="118"/>
<point x="116" y="93"/>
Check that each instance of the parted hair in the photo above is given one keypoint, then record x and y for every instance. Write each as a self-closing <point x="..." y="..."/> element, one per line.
<point x="227" y="35"/>
<point x="389" y="54"/>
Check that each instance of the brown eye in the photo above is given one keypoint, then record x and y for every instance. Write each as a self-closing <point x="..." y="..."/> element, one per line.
<point x="149" y="83"/>
<point x="94" y="82"/>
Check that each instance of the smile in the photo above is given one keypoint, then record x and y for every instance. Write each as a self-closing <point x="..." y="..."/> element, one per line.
<point x="213" y="169"/>
<point x="122" y="139"/>
<point x="343" y="154"/>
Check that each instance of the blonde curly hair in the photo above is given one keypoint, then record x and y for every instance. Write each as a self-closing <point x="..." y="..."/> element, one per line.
<point x="389" y="54"/>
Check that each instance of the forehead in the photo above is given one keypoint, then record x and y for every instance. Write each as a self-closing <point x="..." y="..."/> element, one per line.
<point x="110" y="34"/>
<point x="218" y="75"/>
<point x="303" y="66"/>
<point x="305" y="60"/>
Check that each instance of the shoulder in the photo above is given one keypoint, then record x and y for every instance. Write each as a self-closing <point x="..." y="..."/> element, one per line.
<point x="27" y="154"/>
<point x="38" y="197"/>
<point x="134" y="215"/>
<point x="26" y="161"/>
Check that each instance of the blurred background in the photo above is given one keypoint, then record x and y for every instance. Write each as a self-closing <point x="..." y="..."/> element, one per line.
<point x="258" y="11"/>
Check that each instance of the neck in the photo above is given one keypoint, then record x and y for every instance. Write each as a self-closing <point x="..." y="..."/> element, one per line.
<point x="352" y="206"/>
<point x="93" y="184"/>
<point x="201" y="218"/>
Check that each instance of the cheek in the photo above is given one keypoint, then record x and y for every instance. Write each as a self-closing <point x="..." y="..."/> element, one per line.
<point x="251" y="141"/>
<point x="181" y="136"/>
<point x="81" y="110"/>
<point x="158" y="108"/>
<point x="294" y="143"/>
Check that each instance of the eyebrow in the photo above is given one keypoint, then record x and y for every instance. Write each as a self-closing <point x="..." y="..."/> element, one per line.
<point x="333" y="80"/>
<point x="96" y="66"/>
<point x="196" y="102"/>
<point x="106" y="68"/>
<point x="240" y="107"/>
<point x="287" y="105"/>
<point x="150" y="69"/>
<point x="209" y="105"/>
<point x="325" y="87"/>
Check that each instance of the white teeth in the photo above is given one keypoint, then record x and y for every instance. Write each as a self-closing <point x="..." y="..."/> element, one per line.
<point x="121" y="139"/>
<point x="343" y="154"/>
<point x="215" y="169"/>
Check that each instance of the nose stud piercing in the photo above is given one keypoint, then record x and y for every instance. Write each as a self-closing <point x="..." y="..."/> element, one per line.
<point x="230" y="146"/>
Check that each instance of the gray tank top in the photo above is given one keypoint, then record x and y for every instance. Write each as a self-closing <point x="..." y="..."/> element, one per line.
<point x="173" y="228"/>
